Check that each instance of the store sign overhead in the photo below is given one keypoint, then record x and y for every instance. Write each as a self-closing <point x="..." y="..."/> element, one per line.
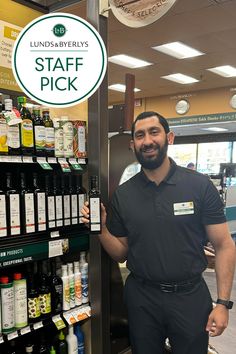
<point x="140" y="13"/>
<point x="201" y="119"/>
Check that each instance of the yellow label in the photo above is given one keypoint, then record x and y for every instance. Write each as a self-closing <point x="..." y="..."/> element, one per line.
<point x="10" y="32"/>
<point x="27" y="138"/>
<point x="3" y="136"/>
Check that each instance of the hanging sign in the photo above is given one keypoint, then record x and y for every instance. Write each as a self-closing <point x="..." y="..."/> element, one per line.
<point x="140" y="13"/>
<point x="59" y="60"/>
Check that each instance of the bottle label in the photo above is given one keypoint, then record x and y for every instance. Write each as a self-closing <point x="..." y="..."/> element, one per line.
<point x="33" y="308"/>
<point x="27" y="136"/>
<point x="68" y="139"/>
<point x="74" y="209"/>
<point x="29" y="213"/>
<point x="59" y="145"/>
<point x="51" y="212"/>
<point x="20" y="295"/>
<point x="41" y="212"/>
<point x="95" y="214"/>
<point x="3" y="136"/>
<point x="72" y="291"/>
<point x="66" y="209"/>
<point x="81" y="139"/>
<point x="7" y="300"/>
<point x="13" y="136"/>
<point x="39" y="132"/>
<point x="59" y="216"/>
<point x="14" y="214"/>
<point x="66" y="295"/>
<point x="78" y="292"/>
<point x="57" y="297"/>
<point x="84" y="284"/>
<point x="45" y="303"/>
<point x="3" y="218"/>
<point x="50" y="138"/>
<point x="81" y="199"/>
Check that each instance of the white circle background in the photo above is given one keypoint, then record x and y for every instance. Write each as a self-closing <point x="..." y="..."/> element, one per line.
<point x="89" y="75"/>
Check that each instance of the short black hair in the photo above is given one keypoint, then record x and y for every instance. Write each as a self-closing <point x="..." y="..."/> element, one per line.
<point x="149" y="114"/>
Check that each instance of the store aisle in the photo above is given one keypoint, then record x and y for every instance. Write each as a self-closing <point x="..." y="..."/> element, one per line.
<point x="226" y="343"/>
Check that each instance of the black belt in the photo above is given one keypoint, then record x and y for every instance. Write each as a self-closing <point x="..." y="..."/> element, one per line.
<point x="173" y="287"/>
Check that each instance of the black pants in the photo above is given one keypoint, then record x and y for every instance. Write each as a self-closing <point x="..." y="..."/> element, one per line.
<point x="154" y="316"/>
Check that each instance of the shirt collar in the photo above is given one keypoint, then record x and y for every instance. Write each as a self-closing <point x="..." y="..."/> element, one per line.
<point x="171" y="177"/>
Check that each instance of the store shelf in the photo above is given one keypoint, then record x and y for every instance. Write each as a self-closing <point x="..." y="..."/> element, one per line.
<point x="38" y="246"/>
<point x="71" y="316"/>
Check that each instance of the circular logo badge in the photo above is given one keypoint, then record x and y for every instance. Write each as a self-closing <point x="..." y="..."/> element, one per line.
<point x="59" y="60"/>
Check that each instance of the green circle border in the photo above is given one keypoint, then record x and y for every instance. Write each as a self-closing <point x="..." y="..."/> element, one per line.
<point x="103" y="61"/>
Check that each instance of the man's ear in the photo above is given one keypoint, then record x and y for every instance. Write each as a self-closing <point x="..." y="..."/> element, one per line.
<point x="171" y="138"/>
<point x="131" y="145"/>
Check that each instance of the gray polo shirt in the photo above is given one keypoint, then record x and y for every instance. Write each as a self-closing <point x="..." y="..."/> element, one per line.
<point x="165" y="224"/>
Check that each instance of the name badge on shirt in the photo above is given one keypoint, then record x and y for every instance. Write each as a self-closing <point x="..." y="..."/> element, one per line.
<point x="184" y="208"/>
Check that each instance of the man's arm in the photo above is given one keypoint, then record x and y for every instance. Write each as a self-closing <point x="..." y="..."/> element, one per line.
<point x="116" y="247"/>
<point x="224" y="246"/>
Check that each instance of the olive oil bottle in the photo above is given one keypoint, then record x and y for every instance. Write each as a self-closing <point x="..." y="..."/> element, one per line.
<point x="27" y="130"/>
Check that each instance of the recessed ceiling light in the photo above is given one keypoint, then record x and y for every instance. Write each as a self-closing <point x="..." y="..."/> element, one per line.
<point x="178" y="50"/>
<point x="121" y="88"/>
<point x="224" y="70"/>
<point x="215" y="129"/>
<point x="129" y="62"/>
<point x="180" y="78"/>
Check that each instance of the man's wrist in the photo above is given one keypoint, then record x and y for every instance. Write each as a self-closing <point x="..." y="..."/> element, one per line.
<point x="227" y="303"/>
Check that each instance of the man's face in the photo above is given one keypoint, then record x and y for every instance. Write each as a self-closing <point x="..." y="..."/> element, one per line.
<point x="150" y="142"/>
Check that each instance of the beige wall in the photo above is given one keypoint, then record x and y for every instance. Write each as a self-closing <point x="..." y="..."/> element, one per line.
<point x="202" y="102"/>
<point x="78" y="112"/>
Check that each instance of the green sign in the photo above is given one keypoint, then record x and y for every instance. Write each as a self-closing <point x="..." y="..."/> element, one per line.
<point x="205" y="118"/>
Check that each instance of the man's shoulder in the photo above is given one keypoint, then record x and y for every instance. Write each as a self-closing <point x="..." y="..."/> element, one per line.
<point x="130" y="183"/>
<point x="192" y="175"/>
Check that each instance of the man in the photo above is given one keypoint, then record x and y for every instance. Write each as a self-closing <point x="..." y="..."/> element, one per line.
<point x="158" y="221"/>
<point x="191" y="166"/>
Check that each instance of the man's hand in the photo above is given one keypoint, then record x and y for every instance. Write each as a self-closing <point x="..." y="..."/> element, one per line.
<point x="85" y="212"/>
<point x="217" y="321"/>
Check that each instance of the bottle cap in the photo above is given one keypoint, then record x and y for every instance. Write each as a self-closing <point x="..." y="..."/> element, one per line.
<point x="17" y="276"/>
<point x="61" y="335"/>
<point x="4" y="280"/>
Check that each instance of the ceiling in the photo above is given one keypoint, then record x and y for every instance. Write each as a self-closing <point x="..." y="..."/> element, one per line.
<point x="206" y="25"/>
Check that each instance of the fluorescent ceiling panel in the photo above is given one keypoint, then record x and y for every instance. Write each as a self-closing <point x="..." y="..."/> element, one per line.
<point x="215" y="129"/>
<point x="224" y="70"/>
<point x="180" y="78"/>
<point x="178" y="50"/>
<point x="129" y="62"/>
<point x="121" y="88"/>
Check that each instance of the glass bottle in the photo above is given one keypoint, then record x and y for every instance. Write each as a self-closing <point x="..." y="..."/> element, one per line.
<point x="40" y="205"/>
<point x="13" y="133"/>
<point x="39" y="132"/>
<point x="82" y="195"/>
<point x="56" y="290"/>
<point x="27" y="207"/>
<point x="49" y="134"/>
<point x="95" y="206"/>
<point x="27" y="131"/>
<point x="13" y="207"/>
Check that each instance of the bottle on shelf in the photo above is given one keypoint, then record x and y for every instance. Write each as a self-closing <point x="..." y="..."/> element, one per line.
<point x="27" y="207"/>
<point x="74" y="202"/>
<point x="3" y="213"/>
<point x="82" y="259"/>
<point x="27" y="129"/>
<point x="3" y="133"/>
<point x="84" y="283"/>
<point x="67" y="127"/>
<point x="78" y="290"/>
<point x="20" y="300"/>
<point x="56" y="290"/>
<point x="80" y="338"/>
<point x="62" y="347"/>
<point x="49" y="133"/>
<point x="29" y="348"/>
<point x="72" y="284"/>
<point x="40" y="204"/>
<point x="82" y="195"/>
<point x="59" y="144"/>
<point x="7" y="305"/>
<point x="58" y="201"/>
<point x="66" y="201"/>
<point x="44" y="293"/>
<point x="39" y="132"/>
<point x="42" y="347"/>
<point x="52" y="350"/>
<point x="72" y="341"/>
<point x="50" y="202"/>
<point x="95" y="206"/>
<point x="34" y="314"/>
<point x="13" y="208"/>
<point x="66" y="288"/>
<point x="13" y="133"/>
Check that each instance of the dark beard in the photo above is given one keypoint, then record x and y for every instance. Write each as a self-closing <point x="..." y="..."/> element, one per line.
<point x="152" y="163"/>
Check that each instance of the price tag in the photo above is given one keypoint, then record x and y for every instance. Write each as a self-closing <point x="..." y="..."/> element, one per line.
<point x="17" y="159"/>
<point x="64" y="165"/>
<point x="54" y="234"/>
<point x="12" y="335"/>
<point x="58" y="321"/>
<point x="82" y="161"/>
<point x="75" y="164"/>
<point x="1" y="339"/>
<point x="55" y="248"/>
<point x="52" y="160"/>
<point x="38" y="325"/>
<point x="5" y="159"/>
<point x="43" y="163"/>
<point x="25" y="330"/>
<point x="69" y="317"/>
<point x="41" y="159"/>
<point x="28" y="159"/>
